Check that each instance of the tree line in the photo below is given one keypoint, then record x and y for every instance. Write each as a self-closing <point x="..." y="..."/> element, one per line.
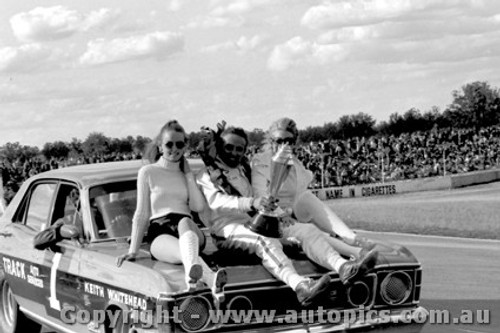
<point x="475" y="105"/>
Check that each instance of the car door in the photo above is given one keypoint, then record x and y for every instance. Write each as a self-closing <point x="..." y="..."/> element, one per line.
<point x="21" y="261"/>
<point x="44" y="281"/>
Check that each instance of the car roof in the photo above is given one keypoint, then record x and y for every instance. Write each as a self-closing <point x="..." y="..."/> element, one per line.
<point x="98" y="173"/>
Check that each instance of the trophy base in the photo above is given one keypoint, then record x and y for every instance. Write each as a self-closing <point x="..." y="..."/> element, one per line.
<point x="265" y="225"/>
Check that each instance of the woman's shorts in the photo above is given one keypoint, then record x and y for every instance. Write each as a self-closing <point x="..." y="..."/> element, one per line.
<point x="168" y="225"/>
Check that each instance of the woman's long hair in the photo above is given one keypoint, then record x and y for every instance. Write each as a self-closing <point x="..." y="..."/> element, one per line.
<point x="153" y="153"/>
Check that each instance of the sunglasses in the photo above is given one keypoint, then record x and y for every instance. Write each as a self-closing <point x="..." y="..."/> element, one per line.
<point x="280" y="141"/>
<point x="178" y="144"/>
<point x="229" y="148"/>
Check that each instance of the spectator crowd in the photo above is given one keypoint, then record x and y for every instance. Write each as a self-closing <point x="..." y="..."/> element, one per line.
<point x="408" y="156"/>
<point x="338" y="162"/>
<point x="16" y="172"/>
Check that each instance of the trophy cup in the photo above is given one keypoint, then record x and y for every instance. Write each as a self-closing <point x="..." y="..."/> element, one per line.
<point x="267" y="223"/>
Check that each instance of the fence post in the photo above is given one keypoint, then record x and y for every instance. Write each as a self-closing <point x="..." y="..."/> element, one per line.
<point x="444" y="162"/>
<point x="383" y="169"/>
<point x="322" y="170"/>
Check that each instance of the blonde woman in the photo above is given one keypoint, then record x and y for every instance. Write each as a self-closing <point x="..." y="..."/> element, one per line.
<point x="294" y="194"/>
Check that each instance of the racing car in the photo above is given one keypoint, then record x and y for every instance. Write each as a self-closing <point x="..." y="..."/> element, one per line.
<point x="76" y="286"/>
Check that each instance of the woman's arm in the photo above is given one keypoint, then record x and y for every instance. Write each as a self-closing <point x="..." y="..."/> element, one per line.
<point x="304" y="176"/>
<point x="195" y="197"/>
<point x="142" y="211"/>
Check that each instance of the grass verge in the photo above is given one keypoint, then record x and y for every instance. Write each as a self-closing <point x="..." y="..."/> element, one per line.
<point x="467" y="212"/>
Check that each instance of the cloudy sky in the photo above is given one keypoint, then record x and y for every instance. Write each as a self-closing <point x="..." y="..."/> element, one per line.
<point x="124" y="67"/>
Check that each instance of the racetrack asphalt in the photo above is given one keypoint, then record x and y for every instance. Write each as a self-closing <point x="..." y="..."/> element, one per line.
<point x="458" y="275"/>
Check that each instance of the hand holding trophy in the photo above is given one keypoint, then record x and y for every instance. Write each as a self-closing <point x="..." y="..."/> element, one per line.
<point x="267" y="222"/>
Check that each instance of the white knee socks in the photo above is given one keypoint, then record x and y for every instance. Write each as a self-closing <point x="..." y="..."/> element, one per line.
<point x="189" y="248"/>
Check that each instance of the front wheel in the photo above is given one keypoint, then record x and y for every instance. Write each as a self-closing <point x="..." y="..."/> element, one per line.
<point x="120" y="325"/>
<point x="12" y="320"/>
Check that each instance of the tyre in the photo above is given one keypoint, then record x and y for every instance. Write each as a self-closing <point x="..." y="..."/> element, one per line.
<point x="120" y="325"/>
<point x="12" y="320"/>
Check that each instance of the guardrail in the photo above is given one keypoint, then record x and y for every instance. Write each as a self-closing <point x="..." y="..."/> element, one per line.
<point x="406" y="186"/>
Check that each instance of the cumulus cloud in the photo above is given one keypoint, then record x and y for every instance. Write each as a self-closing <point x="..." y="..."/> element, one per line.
<point x="360" y="12"/>
<point x="228" y="13"/>
<point x="101" y="18"/>
<point x="424" y="29"/>
<point x="349" y="34"/>
<point x="229" y="45"/>
<point x="175" y="5"/>
<point x="239" y="7"/>
<point x="408" y="30"/>
<point x="215" y="22"/>
<point x="25" y="57"/>
<point x="157" y="45"/>
<point x="58" y="22"/>
<point x="298" y="51"/>
<point x="45" y="23"/>
<point x="247" y="44"/>
<point x="445" y="50"/>
<point x="243" y="44"/>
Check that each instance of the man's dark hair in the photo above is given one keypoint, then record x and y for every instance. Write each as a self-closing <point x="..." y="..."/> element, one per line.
<point x="233" y="130"/>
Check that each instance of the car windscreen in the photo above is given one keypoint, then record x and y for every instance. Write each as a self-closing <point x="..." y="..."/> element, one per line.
<point x="113" y="207"/>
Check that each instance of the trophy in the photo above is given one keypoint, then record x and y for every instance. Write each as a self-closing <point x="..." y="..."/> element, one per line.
<point x="266" y="222"/>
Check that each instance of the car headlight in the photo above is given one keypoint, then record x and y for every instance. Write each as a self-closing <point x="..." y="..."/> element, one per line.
<point x="359" y="294"/>
<point x="396" y="288"/>
<point x="194" y="313"/>
<point x="237" y="305"/>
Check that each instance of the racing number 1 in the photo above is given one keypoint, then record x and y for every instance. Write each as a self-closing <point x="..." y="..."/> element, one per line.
<point x="54" y="302"/>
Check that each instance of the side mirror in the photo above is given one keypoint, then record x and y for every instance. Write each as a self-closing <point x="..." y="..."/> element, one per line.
<point x="69" y="231"/>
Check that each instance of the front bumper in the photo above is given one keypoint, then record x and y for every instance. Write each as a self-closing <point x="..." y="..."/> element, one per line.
<point x="401" y="320"/>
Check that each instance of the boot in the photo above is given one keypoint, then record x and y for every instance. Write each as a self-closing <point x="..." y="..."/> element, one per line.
<point x="195" y="273"/>
<point x="218" y="284"/>
<point x="354" y="269"/>
<point x="309" y="290"/>
<point x="214" y="280"/>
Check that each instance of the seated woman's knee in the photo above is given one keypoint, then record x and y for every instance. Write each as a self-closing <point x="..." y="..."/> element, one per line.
<point x="185" y="224"/>
<point x="306" y="230"/>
